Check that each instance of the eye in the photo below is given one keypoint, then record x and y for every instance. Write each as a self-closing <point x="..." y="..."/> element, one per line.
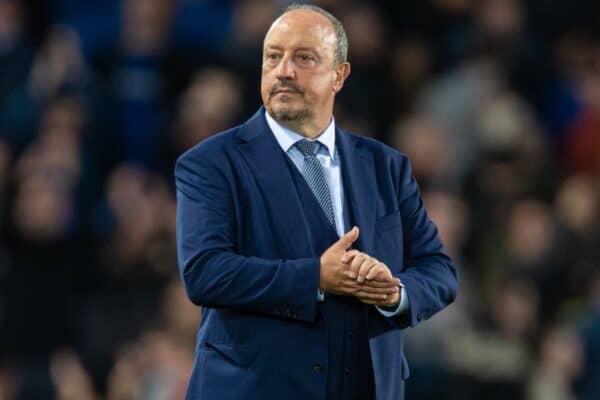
<point x="273" y="56"/>
<point x="306" y="57"/>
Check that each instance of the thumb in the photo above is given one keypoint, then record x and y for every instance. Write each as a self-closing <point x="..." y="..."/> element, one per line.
<point x="346" y="241"/>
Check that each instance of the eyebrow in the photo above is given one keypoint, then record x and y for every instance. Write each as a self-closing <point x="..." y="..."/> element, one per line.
<point x="307" y="49"/>
<point x="302" y="48"/>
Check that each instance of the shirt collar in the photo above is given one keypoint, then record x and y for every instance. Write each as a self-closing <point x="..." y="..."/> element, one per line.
<point x="287" y="137"/>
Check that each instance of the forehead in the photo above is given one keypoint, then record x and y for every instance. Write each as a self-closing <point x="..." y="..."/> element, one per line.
<point x="301" y="28"/>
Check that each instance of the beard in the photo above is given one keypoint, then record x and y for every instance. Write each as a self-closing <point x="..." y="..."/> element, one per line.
<point x="285" y="114"/>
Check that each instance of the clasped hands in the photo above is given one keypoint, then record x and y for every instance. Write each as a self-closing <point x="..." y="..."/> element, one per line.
<point x="353" y="273"/>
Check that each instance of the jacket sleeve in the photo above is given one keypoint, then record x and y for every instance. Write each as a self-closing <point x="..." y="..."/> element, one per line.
<point x="213" y="272"/>
<point x="429" y="276"/>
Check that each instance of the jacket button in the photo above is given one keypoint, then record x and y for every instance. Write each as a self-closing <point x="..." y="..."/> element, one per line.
<point x="347" y="371"/>
<point x="317" y="368"/>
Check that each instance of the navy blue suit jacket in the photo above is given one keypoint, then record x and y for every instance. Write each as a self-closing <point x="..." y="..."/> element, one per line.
<point x="246" y="258"/>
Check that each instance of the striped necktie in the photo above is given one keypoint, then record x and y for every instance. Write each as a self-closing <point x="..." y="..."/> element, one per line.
<point x="315" y="177"/>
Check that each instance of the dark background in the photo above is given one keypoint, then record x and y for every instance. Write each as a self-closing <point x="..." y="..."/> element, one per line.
<point x="497" y="103"/>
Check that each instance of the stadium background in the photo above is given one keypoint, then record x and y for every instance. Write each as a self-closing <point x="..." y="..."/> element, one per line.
<point x="497" y="102"/>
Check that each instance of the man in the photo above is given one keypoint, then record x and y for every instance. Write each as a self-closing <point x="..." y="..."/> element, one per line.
<point x="293" y="307"/>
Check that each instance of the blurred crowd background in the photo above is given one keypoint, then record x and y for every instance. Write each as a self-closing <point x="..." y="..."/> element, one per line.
<point x="497" y="103"/>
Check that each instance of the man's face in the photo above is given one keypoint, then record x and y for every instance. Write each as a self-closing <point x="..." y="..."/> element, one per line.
<point x="298" y="71"/>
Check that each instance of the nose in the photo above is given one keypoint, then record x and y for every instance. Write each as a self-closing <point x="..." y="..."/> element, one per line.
<point x="286" y="69"/>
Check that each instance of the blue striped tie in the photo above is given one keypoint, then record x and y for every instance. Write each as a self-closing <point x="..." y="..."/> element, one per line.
<point x="315" y="177"/>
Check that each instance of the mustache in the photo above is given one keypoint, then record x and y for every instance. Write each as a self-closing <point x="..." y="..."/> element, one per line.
<point x="286" y="85"/>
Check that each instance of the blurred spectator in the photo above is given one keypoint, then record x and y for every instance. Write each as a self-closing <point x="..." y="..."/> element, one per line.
<point x="15" y="53"/>
<point x="588" y="386"/>
<point x="69" y="377"/>
<point x="451" y="216"/>
<point x="559" y="363"/>
<point x="132" y="260"/>
<point x="251" y="20"/>
<point x="58" y="69"/>
<point x="455" y="99"/>
<point x="493" y="362"/>
<point x="425" y="141"/>
<point x="496" y="102"/>
<point x="363" y="97"/>
<point x="577" y="204"/>
<point x="210" y="104"/>
<point x="41" y="235"/>
<point x="411" y="66"/>
<point x="157" y="366"/>
<point x="143" y="77"/>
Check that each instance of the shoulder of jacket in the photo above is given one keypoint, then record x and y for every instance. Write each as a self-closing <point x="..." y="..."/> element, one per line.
<point x="212" y="148"/>
<point x="377" y="148"/>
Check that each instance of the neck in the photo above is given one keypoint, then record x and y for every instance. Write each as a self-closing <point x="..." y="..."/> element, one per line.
<point x="309" y="129"/>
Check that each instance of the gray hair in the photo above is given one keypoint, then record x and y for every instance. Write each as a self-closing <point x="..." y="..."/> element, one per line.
<point x="341" y="48"/>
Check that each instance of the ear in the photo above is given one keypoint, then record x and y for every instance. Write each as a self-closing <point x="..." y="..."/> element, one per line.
<point x="341" y="71"/>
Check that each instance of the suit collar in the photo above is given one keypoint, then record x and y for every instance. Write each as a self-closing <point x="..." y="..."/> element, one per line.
<point x="267" y="161"/>
<point x="254" y="127"/>
<point x="360" y="185"/>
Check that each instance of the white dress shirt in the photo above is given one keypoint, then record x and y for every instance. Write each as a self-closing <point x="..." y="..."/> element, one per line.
<point x="329" y="159"/>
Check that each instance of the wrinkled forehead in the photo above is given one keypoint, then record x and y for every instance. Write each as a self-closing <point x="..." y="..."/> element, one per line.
<point x="301" y="27"/>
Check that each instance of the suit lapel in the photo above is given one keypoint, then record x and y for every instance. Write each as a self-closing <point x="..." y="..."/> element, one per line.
<point x="359" y="182"/>
<point x="268" y="164"/>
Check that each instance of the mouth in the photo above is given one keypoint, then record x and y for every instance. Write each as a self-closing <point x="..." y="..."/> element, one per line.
<point x="286" y="91"/>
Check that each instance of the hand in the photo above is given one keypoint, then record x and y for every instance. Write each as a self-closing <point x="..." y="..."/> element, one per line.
<point x="332" y="268"/>
<point x="335" y="274"/>
<point x="371" y="276"/>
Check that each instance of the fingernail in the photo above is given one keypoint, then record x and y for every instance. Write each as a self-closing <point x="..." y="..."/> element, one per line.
<point x="360" y="279"/>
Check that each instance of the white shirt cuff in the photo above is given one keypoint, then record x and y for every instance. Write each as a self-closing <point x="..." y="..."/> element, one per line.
<point x="402" y="306"/>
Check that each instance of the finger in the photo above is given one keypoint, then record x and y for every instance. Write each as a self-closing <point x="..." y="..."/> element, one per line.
<point x="356" y="263"/>
<point x="364" y="265"/>
<point x="380" y="272"/>
<point x="383" y="290"/>
<point x="371" y="296"/>
<point x="349" y="255"/>
<point x="381" y="283"/>
<point x="351" y="286"/>
<point x="364" y="269"/>
<point x="346" y="241"/>
<point x="357" y="260"/>
<point x="372" y="290"/>
<point x="374" y="272"/>
<point x="353" y="266"/>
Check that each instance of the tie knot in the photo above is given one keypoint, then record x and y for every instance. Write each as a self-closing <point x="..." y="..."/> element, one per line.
<point x="307" y="147"/>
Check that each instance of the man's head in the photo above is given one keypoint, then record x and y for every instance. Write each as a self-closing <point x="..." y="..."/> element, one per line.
<point x="304" y="66"/>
